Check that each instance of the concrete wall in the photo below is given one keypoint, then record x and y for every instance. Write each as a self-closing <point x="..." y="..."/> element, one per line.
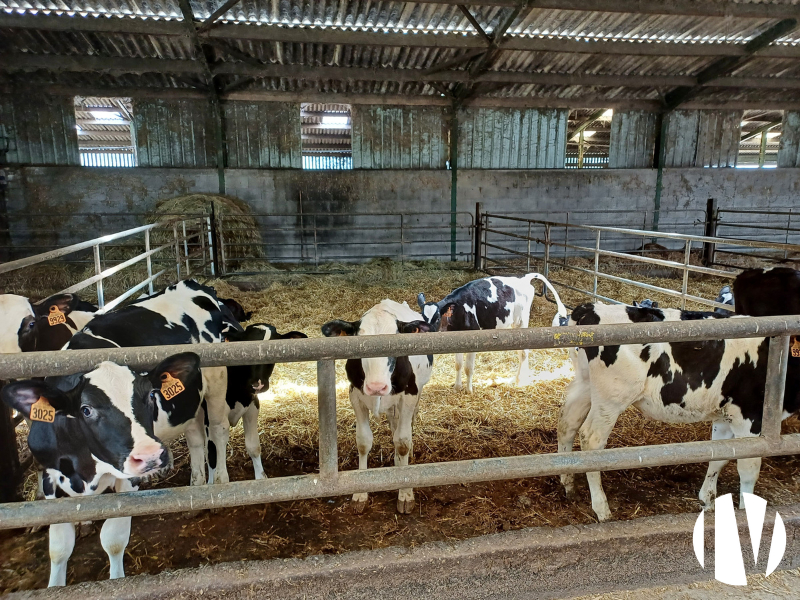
<point x="618" y="197"/>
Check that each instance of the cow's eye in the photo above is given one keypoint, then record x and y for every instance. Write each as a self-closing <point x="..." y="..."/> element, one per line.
<point x="31" y="325"/>
<point x="153" y="396"/>
<point x="87" y="411"/>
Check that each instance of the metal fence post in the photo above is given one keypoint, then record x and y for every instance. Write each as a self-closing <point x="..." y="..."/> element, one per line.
<point x="596" y="262"/>
<point x="212" y="250"/>
<point x="547" y="250"/>
<point x="478" y="262"/>
<point x="97" y="270"/>
<point x="177" y="251"/>
<point x="529" y="247"/>
<point x="223" y="265"/>
<point x="775" y="386"/>
<point x="326" y="402"/>
<point x="687" y="258"/>
<point x="788" y="229"/>
<point x="149" y="259"/>
<point x="710" y="231"/>
<point x="316" y="252"/>
<point x="186" y="249"/>
<point x="402" y="244"/>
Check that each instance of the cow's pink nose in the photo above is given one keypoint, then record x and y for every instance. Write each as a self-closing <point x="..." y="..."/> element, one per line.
<point x="377" y="389"/>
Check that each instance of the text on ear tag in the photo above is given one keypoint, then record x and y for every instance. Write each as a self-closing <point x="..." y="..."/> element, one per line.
<point x="796" y="346"/>
<point x="42" y="411"/>
<point x="170" y="387"/>
<point x="56" y="317"/>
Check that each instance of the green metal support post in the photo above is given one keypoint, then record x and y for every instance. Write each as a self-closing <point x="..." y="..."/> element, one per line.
<point x="453" y="178"/>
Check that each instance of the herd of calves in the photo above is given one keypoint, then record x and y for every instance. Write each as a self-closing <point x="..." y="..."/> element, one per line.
<point x="109" y="428"/>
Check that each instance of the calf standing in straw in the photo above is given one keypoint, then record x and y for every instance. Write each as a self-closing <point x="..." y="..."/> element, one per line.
<point x="389" y="386"/>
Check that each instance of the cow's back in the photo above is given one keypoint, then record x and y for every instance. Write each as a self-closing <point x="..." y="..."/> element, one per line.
<point x="766" y="293"/>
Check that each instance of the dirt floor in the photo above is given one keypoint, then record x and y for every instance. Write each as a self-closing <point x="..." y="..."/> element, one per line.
<point x="497" y="419"/>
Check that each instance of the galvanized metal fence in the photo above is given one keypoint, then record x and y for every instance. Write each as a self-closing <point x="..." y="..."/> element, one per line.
<point x="781" y="224"/>
<point x="329" y="481"/>
<point x="511" y="244"/>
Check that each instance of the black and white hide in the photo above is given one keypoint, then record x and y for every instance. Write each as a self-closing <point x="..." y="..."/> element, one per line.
<point x="184" y="313"/>
<point x="490" y="303"/>
<point x="389" y="386"/>
<point x="41" y="326"/>
<point x="721" y="381"/>
<point x="246" y="382"/>
<point x="93" y="433"/>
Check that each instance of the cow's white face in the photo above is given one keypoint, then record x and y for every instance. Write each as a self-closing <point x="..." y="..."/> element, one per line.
<point x="13" y="310"/>
<point x="378" y="371"/>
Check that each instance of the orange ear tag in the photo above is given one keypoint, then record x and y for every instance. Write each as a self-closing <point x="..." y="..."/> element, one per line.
<point x="796" y="346"/>
<point x="170" y="387"/>
<point x="42" y="411"/>
<point x="56" y="317"/>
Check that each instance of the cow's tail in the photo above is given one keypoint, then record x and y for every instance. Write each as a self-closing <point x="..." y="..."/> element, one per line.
<point x="562" y="316"/>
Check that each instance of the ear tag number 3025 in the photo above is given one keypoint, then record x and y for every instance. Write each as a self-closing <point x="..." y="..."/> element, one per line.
<point x="170" y="386"/>
<point x="56" y="317"/>
<point x="42" y="411"/>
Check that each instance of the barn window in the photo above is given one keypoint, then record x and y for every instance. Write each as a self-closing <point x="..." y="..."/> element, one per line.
<point x="761" y="137"/>
<point x="589" y="137"/>
<point x="326" y="137"/>
<point x="104" y="132"/>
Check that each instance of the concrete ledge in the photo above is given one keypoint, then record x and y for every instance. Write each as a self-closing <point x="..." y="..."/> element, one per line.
<point x="542" y="563"/>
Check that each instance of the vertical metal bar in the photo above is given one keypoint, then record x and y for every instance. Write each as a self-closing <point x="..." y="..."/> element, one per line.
<point x="402" y="244"/>
<point x="177" y="251"/>
<point x="201" y="236"/>
<point x="326" y="402"/>
<point x="316" y="254"/>
<point x="547" y="242"/>
<point x="710" y="231"/>
<point x="186" y="249"/>
<point x="478" y="261"/>
<point x="762" y="150"/>
<point x="529" y="247"/>
<point x="788" y="228"/>
<point x="97" y="269"/>
<point x="566" y="238"/>
<point x="580" y="149"/>
<point x="149" y="260"/>
<point x="775" y="386"/>
<point x="453" y="179"/>
<point x="687" y="257"/>
<point x="596" y="262"/>
<point x="223" y="268"/>
<point x="211" y="247"/>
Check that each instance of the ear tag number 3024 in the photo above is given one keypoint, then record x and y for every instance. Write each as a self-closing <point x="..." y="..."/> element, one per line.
<point x="42" y="411"/>
<point x="56" y="317"/>
<point x="170" y="386"/>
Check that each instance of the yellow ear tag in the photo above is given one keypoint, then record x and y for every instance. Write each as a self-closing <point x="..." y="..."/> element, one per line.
<point x="796" y="346"/>
<point x="170" y="387"/>
<point x="42" y="411"/>
<point x="56" y="317"/>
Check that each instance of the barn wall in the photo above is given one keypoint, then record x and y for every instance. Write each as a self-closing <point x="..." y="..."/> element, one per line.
<point x="633" y="138"/>
<point x="703" y="138"/>
<point x="789" y="151"/>
<point x="262" y="134"/>
<point x="41" y="130"/>
<point x="507" y="138"/>
<point x="394" y="137"/>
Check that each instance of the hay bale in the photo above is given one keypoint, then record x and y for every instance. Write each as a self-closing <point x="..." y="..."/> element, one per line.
<point x="239" y="227"/>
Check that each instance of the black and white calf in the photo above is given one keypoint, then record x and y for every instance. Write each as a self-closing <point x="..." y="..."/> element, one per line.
<point x="246" y="382"/>
<point x="490" y="303"/>
<point x="93" y="433"/>
<point x="184" y="313"/>
<point x="767" y="292"/>
<point x="390" y="386"/>
<point x="676" y="382"/>
<point x="41" y="326"/>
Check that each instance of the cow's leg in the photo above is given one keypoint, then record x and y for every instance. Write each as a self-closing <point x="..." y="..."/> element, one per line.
<point x="572" y="415"/>
<point x="524" y="369"/>
<point x="459" y="364"/>
<point x="749" y="468"/>
<point x="469" y="369"/>
<point x="363" y="442"/>
<point x="196" y="440"/>
<point x="720" y="430"/>
<point x="216" y="380"/>
<point x="62" y="542"/>
<point x="403" y="445"/>
<point x="115" y="534"/>
<point x="251" y="441"/>
<point x="594" y="434"/>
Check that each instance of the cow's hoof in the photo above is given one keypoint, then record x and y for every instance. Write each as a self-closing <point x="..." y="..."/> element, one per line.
<point x="457" y="387"/>
<point x="85" y="529"/>
<point x="603" y="515"/>
<point x="358" y="506"/>
<point x="405" y="507"/>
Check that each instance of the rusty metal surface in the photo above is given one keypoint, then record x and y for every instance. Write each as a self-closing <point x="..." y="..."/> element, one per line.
<point x="703" y="138"/>
<point x="633" y="135"/>
<point x="39" y="131"/>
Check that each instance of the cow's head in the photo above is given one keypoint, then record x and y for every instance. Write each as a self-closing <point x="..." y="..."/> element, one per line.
<point x="258" y="377"/>
<point x="101" y="421"/>
<point x="377" y="321"/>
<point x="438" y="317"/>
<point x="237" y="310"/>
<point x="646" y="303"/>
<point x="725" y="296"/>
<point x="15" y="310"/>
<point x="44" y="330"/>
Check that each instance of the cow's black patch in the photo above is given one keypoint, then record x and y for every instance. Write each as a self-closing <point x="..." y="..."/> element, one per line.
<point x="660" y="368"/>
<point x="207" y="337"/>
<point x="585" y="315"/>
<point x="698" y="315"/>
<point x="212" y="454"/>
<point x="640" y="314"/>
<point x="645" y="355"/>
<point x="47" y="485"/>
<point x="403" y="379"/>
<point x="609" y="355"/>
<point x="744" y="386"/>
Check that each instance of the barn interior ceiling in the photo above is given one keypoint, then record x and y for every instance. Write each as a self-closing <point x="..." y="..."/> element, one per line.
<point x="591" y="53"/>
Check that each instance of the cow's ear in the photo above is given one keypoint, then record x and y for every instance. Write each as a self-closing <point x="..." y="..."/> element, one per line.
<point x="421" y="300"/>
<point x="414" y="327"/>
<point x="184" y="366"/>
<point x="65" y="303"/>
<point x="447" y="309"/>
<point x="338" y="327"/>
<point x="22" y="395"/>
<point x="292" y="335"/>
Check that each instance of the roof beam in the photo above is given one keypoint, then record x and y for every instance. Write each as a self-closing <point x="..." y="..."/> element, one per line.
<point x="212" y="19"/>
<point x="757" y="132"/>
<point x="474" y="22"/>
<point x="273" y="33"/>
